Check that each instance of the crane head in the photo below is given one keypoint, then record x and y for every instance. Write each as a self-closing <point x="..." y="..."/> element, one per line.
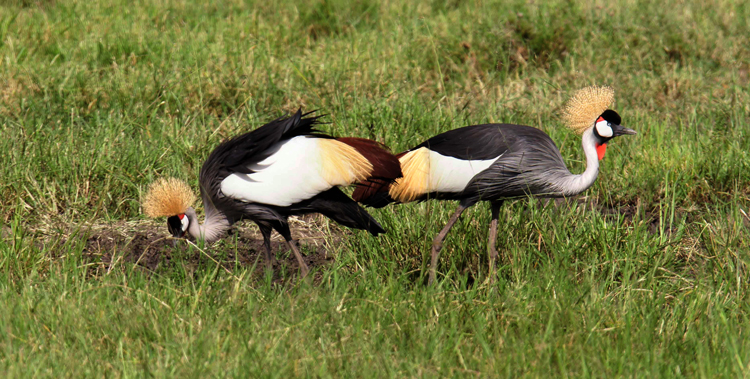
<point x="606" y="127"/>
<point x="169" y="197"/>
<point x="588" y="109"/>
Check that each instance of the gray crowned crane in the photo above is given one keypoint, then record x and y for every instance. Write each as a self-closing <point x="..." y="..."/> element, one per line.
<point x="496" y="162"/>
<point x="283" y="168"/>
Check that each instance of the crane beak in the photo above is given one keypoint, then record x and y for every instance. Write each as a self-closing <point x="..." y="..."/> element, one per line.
<point x="177" y="235"/>
<point x="174" y="224"/>
<point x="620" y="130"/>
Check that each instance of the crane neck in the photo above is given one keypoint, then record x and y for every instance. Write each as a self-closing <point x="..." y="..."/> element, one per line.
<point x="576" y="184"/>
<point x="213" y="227"/>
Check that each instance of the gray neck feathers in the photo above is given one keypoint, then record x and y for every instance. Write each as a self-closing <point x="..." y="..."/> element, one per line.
<point x="214" y="225"/>
<point x="571" y="184"/>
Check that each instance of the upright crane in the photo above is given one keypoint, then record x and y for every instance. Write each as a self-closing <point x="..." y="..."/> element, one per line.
<point x="496" y="162"/>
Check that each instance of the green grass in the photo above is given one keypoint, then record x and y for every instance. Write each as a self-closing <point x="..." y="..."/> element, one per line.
<point x="646" y="275"/>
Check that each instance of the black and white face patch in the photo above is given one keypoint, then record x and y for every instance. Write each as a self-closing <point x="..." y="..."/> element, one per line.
<point x="604" y="128"/>
<point x="178" y="225"/>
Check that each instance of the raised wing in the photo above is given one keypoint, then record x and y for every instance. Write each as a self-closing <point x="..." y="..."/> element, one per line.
<point x="287" y="160"/>
<point x="239" y="153"/>
<point x="236" y="154"/>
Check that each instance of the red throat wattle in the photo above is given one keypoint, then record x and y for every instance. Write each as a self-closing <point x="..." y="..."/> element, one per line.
<point x="600" y="150"/>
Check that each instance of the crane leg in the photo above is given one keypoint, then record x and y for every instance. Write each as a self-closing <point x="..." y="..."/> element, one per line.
<point x="437" y="243"/>
<point x="266" y="231"/>
<point x="302" y="265"/>
<point x="492" y="251"/>
<point x="283" y="229"/>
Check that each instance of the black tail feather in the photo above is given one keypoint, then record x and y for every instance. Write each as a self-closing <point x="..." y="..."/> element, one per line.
<point x="335" y="205"/>
<point x="378" y="200"/>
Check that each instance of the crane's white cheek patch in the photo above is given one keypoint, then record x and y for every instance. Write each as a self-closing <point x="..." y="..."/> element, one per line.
<point x="288" y="176"/>
<point x="604" y="130"/>
<point x="185" y="223"/>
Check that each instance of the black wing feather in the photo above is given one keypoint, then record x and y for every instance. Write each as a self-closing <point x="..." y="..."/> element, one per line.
<point x="235" y="154"/>
<point x="339" y="207"/>
<point x="476" y="142"/>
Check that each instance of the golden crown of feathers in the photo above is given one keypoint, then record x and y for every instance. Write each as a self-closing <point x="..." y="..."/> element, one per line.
<point x="167" y="197"/>
<point x="581" y="111"/>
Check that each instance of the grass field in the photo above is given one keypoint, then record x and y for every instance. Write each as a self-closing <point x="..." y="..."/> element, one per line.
<point x="644" y="275"/>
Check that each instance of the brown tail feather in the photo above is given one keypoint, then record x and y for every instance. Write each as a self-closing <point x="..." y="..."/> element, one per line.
<point x="374" y="192"/>
<point x="370" y="188"/>
<point x="386" y="167"/>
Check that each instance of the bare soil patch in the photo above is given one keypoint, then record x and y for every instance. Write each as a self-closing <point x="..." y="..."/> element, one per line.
<point x="148" y="246"/>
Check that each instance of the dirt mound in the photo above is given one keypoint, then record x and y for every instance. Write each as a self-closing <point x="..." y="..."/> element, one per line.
<point x="148" y="246"/>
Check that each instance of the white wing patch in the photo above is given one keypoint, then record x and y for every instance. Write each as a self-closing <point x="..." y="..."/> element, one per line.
<point x="426" y="171"/>
<point x="296" y="171"/>
<point x="448" y="174"/>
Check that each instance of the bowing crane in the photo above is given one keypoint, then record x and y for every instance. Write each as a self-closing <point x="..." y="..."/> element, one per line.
<point x="283" y="168"/>
<point x="496" y="162"/>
